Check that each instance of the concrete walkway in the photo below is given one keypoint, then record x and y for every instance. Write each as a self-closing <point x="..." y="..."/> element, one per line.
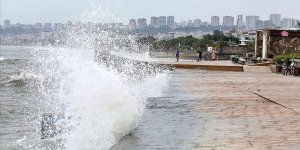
<point x="221" y="110"/>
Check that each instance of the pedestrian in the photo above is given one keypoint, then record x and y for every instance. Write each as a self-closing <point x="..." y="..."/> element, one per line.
<point x="177" y="55"/>
<point x="200" y="55"/>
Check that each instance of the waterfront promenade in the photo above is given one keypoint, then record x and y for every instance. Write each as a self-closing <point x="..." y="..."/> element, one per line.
<point x="202" y="109"/>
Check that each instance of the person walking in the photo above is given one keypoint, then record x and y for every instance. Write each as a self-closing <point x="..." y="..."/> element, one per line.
<point x="200" y="55"/>
<point x="177" y="55"/>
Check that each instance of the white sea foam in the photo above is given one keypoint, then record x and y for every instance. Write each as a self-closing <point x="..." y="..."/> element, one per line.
<point x="102" y="104"/>
<point x="25" y="76"/>
<point x="2" y="58"/>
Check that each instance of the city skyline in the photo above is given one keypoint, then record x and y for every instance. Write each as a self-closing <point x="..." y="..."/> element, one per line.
<point x="118" y="11"/>
<point x="227" y="21"/>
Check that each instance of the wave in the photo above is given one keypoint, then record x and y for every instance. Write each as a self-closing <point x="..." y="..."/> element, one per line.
<point x="12" y="62"/>
<point x="24" y="76"/>
<point x="21" y="79"/>
<point x="2" y="59"/>
<point x="100" y="102"/>
<point x="97" y="82"/>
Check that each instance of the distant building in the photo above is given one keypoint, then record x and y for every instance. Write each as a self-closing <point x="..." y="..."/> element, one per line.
<point x="58" y="26"/>
<point x="47" y="25"/>
<point x="132" y="24"/>
<point x="141" y="23"/>
<point x="38" y="26"/>
<point x="276" y="19"/>
<point x="239" y="21"/>
<point x="268" y="24"/>
<point x="287" y="23"/>
<point x="21" y="25"/>
<point x="190" y="23"/>
<point x="6" y="23"/>
<point x="215" y="21"/>
<point x="154" y="22"/>
<point x="184" y="23"/>
<point x="243" y="40"/>
<point x="171" y="22"/>
<point x="259" y="24"/>
<point x="178" y="25"/>
<point x="251" y="22"/>
<point x="162" y="20"/>
<point x="197" y="22"/>
<point x="204" y="23"/>
<point x="228" y="21"/>
<point x="295" y="23"/>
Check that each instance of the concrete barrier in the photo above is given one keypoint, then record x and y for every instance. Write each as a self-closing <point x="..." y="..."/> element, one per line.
<point x="263" y="64"/>
<point x="208" y="67"/>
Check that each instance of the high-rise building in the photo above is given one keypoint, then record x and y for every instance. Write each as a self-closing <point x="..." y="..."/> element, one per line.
<point x="190" y="23"/>
<point x="171" y="22"/>
<point x="215" y="21"/>
<point x="154" y="21"/>
<point x="204" y="23"/>
<point x="276" y="19"/>
<point x="6" y="23"/>
<point x="132" y="24"/>
<point x="251" y="21"/>
<point x="197" y="22"/>
<point x="268" y="24"/>
<point x="162" y="21"/>
<point x="141" y="23"/>
<point x="239" y="21"/>
<point x="295" y="23"/>
<point x="184" y="23"/>
<point x="287" y="23"/>
<point x="259" y="24"/>
<point x="228" y="21"/>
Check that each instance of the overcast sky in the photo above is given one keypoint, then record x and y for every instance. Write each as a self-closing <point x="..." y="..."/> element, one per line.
<point x="32" y="11"/>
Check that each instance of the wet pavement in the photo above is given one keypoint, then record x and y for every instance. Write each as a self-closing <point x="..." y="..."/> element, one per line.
<point x="221" y="110"/>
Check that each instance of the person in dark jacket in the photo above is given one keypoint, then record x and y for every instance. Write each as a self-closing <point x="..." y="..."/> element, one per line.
<point x="177" y="55"/>
<point x="200" y="55"/>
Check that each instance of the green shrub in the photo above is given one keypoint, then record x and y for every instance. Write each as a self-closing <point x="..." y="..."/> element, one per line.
<point x="295" y="56"/>
<point x="278" y="59"/>
<point x="286" y="58"/>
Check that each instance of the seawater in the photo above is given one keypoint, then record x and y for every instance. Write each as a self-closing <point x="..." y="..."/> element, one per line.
<point x="100" y="105"/>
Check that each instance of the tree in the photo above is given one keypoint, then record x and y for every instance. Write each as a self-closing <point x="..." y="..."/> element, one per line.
<point x="190" y="42"/>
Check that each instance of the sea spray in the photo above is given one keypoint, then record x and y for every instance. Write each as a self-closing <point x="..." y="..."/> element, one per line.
<point x="100" y="105"/>
<point x="105" y="107"/>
